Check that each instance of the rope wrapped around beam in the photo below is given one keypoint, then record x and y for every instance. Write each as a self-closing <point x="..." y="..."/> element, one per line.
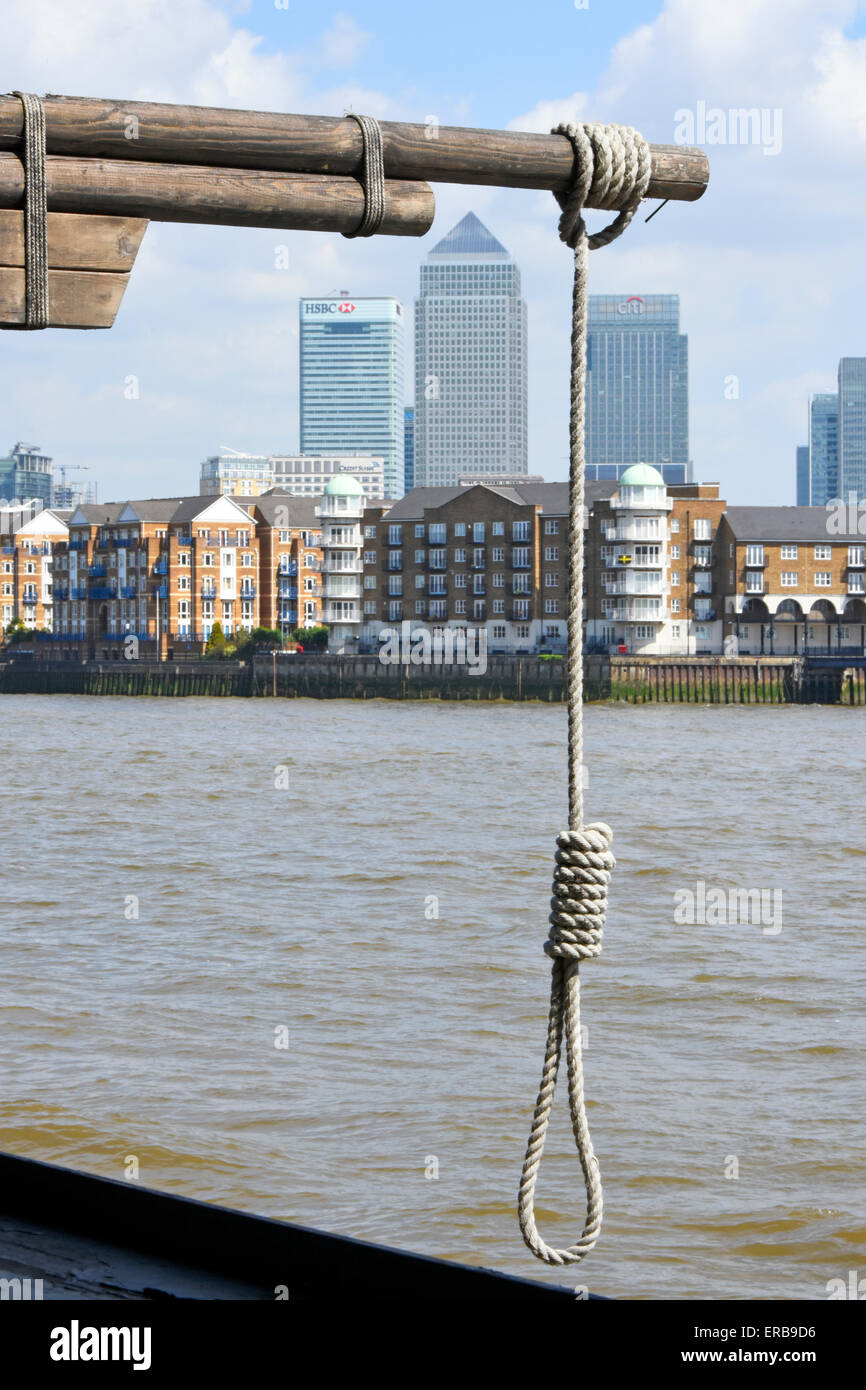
<point x="35" y="213"/>
<point x="373" y="177"/>
<point x="612" y="167"/>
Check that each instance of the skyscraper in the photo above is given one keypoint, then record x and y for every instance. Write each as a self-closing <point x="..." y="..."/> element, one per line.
<point x="637" y="391"/>
<point x="351" y="365"/>
<point x="26" y="472"/>
<point x="852" y="427"/>
<point x="804" y="482"/>
<point x="470" y="360"/>
<point x="823" y="448"/>
<point x="409" y="449"/>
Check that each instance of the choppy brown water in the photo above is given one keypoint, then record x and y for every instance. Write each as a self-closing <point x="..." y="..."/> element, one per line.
<point x="411" y="1037"/>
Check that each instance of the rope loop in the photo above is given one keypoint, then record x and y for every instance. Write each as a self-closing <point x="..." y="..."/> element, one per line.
<point x="372" y="176"/>
<point x="613" y="170"/>
<point x="35" y="212"/>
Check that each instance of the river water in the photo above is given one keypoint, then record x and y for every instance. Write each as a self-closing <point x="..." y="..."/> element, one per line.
<point x="189" y="883"/>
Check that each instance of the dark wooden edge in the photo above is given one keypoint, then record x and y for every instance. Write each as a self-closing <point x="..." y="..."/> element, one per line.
<point x="254" y="1249"/>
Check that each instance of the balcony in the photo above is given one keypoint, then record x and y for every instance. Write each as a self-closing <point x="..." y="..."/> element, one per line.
<point x="30" y="599"/>
<point x="755" y="590"/>
<point x="289" y="591"/>
<point x="128" y="591"/>
<point x="183" y="540"/>
<point x="342" y="591"/>
<point x="699" y="563"/>
<point x="10" y="549"/>
<point x="632" y="610"/>
<point x="124" y="543"/>
<point x="77" y="545"/>
<point x="101" y="591"/>
<point x="208" y="591"/>
<point x="756" y="564"/>
<point x="248" y="591"/>
<point x="78" y="592"/>
<point x="160" y="591"/>
<point x="856" y="564"/>
<point x="643" y="558"/>
<point x="290" y="568"/>
<point x="354" y="566"/>
<point x="160" y="567"/>
<point x="856" y="590"/>
<point x="97" y="571"/>
<point x="102" y="545"/>
<point x="642" y="582"/>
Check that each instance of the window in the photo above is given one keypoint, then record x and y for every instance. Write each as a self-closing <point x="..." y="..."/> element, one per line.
<point x="369" y="533"/>
<point x="551" y="552"/>
<point x="460" y="557"/>
<point x="499" y="605"/>
<point x="395" y="584"/>
<point x="478" y="558"/>
<point x="790" y="579"/>
<point x="498" y="528"/>
<point x="459" y="528"/>
<point x="675" y="525"/>
<point x="395" y="610"/>
<point x="675" y="552"/>
<point x="438" y="584"/>
<point x="246" y="559"/>
<point x="520" y="556"/>
<point x="822" y="578"/>
<point x="478" y="608"/>
<point x="395" y="535"/>
<point x="438" y="558"/>
<point x="370" y="581"/>
<point x="419" y="530"/>
<point x="499" y="632"/>
<point x="703" y="529"/>
<point x="498" y="555"/>
<point x="754" y="582"/>
<point x="460" y="581"/>
<point x="370" y="557"/>
<point x="643" y="632"/>
<point x="370" y="608"/>
<point x="703" y="584"/>
<point x="419" y="581"/>
<point x="420" y="556"/>
<point x="438" y="533"/>
<point x="551" y="605"/>
<point x="395" y="559"/>
<point x="675" y="605"/>
<point x="822" y="552"/>
<point x="478" y="531"/>
<point x="675" y="578"/>
<point x="522" y="630"/>
<point x="520" y="531"/>
<point x="460" y="605"/>
<point x="420" y="607"/>
<point x="551" y="528"/>
<point x="499" y="580"/>
<point x="183" y="557"/>
<point x="754" y="554"/>
<point x="856" y="554"/>
<point x="183" y="581"/>
<point x="478" y="584"/>
<point x="551" y="580"/>
<point x="789" y="552"/>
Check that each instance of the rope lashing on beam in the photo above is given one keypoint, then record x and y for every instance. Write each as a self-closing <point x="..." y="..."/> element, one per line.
<point x="372" y="176"/>
<point x="35" y="213"/>
<point x="612" y="163"/>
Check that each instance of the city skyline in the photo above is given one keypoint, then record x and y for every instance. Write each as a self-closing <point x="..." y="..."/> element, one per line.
<point x="205" y="345"/>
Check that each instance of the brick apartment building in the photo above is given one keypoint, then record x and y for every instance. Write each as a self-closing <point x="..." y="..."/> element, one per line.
<point x="670" y="570"/>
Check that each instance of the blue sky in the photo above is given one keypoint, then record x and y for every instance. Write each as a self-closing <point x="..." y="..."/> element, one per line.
<point x="768" y="266"/>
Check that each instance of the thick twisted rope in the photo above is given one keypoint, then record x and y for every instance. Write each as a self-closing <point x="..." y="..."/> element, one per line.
<point x="35" y="213"/>
<point x="372" y="176"/>
<point x="613" y="168"/>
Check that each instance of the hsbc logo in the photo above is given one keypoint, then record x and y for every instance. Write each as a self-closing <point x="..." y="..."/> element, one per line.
<point x="329" y="306"/>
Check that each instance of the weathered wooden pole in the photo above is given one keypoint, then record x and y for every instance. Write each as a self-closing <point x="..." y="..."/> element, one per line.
<point x="92" y="127"/>
<point x="228" y="197"/>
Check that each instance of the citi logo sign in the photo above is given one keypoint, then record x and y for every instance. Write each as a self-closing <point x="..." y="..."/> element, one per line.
<point x="633" y="305"/>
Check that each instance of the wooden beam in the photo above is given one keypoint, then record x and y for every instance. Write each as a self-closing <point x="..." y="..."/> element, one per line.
<point x="151" y="131"/>
<point x="76" y="298"/>
<point x="76" y="241"/>
<point x="229" y="197"/>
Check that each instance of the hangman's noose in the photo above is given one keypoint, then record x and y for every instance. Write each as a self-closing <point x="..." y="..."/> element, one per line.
<point x="613" y="164"/>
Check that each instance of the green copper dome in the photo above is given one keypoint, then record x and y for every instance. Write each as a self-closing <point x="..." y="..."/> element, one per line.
<point x="641" y="475"/>
<point x="343" y="485"/>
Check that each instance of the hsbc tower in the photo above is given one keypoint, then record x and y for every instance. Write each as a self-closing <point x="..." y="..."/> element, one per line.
<point x="352" y="389"/>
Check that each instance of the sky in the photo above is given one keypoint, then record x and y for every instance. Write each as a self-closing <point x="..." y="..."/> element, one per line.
<point x="769" y="265"/>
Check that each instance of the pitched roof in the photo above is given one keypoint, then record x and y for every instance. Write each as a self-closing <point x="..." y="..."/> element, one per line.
<point x="552" y="498"/>
<point x="808" y="524"/>
<point x="288" y="509"/>
<point x="470" y="237"/>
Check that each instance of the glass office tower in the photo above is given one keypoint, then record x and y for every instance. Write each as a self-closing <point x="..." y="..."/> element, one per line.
<point x="470" y="360"/>
<point x="352" y="387"/>
<point x="637" y="391"/>
<point x="852" y="427"/>
<point x="823" y="448"/>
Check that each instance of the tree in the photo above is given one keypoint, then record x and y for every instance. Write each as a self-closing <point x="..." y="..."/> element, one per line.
<point x="216" y="643"/>
<point x="311" y="638"/>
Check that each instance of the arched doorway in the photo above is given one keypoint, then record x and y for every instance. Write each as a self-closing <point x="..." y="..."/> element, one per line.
<point x="854" y="617"/>
<point x="755" y="613"/>
<point x="786" y="620"/>
<point x="819" y="624"/>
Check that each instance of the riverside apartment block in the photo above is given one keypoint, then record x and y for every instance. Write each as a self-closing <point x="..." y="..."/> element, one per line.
<point x="671" y="570"/>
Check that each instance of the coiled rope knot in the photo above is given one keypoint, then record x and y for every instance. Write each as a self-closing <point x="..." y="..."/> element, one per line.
<point x="584" y="863"/>
<point x="613" y="170"/>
